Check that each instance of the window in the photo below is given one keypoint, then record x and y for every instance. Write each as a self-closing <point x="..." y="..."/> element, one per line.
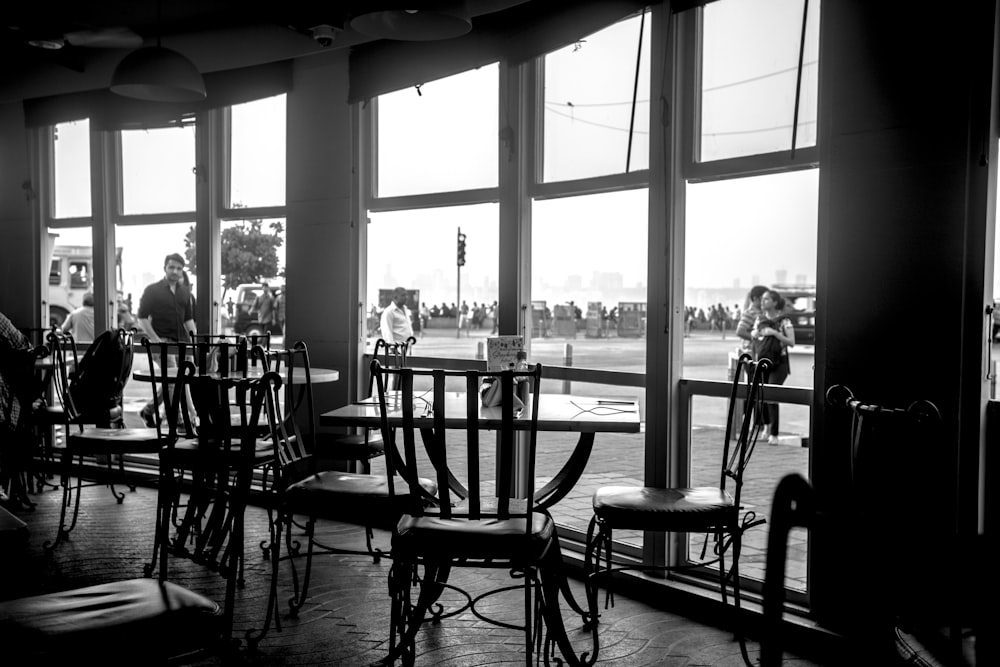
<point x="743" y="228"/>
<point x="158" y="170"/>
<point x="750" y="56"/>
<point x="592" y="127"/>
<point x="79" y="275"/>
<point x="257" y="153"/>
<point x="455" y="147"/>
<point x="71" y="149"/>
<point x="417" y="249"/>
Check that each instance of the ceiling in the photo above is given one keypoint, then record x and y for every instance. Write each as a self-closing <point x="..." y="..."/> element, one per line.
<point x="95" y="34"/>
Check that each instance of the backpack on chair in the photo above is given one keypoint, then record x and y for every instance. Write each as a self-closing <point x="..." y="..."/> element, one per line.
<point x="98" y="383"/>
<point x="769" y="347"/>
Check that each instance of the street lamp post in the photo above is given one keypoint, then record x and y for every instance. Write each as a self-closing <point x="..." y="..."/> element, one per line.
<point x="460" y="262"/>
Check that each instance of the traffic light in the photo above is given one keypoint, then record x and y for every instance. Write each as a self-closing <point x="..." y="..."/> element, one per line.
<point x="461" y="248"/>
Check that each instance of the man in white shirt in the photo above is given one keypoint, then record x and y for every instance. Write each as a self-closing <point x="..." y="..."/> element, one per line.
<point x="396" y="323"/>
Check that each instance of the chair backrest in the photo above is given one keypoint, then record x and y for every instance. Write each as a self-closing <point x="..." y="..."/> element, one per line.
<point x="891" y="453"/>
<point x="166" y="360"/>
<point x="433" y="414"/>
<point x="296" y="401"/>
<point x="747" y="398"/>
<point x="292" y="452"/>
<point x="225" y="354"/>
<point x="216" y="399"/>
<point x="794" y="505"/>
<point x="65" y="360"/>
<point x="390" y="355"/>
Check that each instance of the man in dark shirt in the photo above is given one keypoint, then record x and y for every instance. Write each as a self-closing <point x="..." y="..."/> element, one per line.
<point x="165" y="314"/>
<point x="165" y="307"/>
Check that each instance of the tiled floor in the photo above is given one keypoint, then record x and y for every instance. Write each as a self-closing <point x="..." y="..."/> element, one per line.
<point x="345" y="619"/>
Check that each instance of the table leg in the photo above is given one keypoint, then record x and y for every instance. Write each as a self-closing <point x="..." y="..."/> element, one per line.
<point x="568" y="475"/>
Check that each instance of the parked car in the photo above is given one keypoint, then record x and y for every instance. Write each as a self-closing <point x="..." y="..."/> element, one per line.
<point x="243" y="321"/>
<point x="800" y="307"/>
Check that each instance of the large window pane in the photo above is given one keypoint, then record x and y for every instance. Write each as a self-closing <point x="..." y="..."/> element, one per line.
<point x="589" y="117"/>
<point x="257" y="157"/>
<point x="72" y="169"/>
<point x="253" y="252"/>
<point x="588" y="298"/>
<point x="441" y="137"/>
<point x="70" y="255"/>
<point x="750" y="53"/>
<point x="158" y="170"/>
<point x="588" y="284"/>
<point x="740" y="233"/>
<point x="141" y="252"/>
<point x="417" y="250"/>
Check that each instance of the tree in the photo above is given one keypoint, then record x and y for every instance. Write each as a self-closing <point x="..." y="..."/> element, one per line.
<point x="249" y="253"/>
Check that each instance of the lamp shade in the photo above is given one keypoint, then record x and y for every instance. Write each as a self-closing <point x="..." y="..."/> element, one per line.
<point x="158" y="74"/>
<point x="411" y="25"/>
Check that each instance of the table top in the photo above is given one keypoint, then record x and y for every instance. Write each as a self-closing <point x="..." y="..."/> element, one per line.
<point x="556" y="412"/>
<point x="317" y="375"/>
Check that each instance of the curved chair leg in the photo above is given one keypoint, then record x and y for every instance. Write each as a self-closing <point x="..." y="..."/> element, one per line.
<point x="254" y="637"/>
<point x="553" y="580"/>
<point x="299" y="596"/>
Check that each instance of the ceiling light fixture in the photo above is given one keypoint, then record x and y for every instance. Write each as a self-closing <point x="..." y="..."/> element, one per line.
<point x="411" y="25"/>
<point x="158" y="74"/>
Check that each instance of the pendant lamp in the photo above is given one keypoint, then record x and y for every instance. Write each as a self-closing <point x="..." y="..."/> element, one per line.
<point x="158" y="74"/>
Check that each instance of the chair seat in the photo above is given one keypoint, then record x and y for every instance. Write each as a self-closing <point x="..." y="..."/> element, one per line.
<point x="97" y="440"/>
<point x="648" y="508"/>
<point x="349" y="447"/>
<point x="138" y="620"/>
<point x="186" y="449"/>
<point x="354" y="497"/>
<point x="430" y="537"/>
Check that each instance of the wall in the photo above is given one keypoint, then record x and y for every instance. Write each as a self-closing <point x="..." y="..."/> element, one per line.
<point x="320" y="234"/>
<point x="17" y="295"/>
<point x="907" y="147"/>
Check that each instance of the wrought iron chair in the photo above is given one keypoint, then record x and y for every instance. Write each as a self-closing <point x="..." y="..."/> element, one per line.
<point x="482" y="523"/>
<point x="896" y="491"/>
<point x="100" y="433"/>
<point x="712" y="510"/>
<point x="362" y="447"/>
<point x="794" y="505"/>
<point x="209" y="528"/>
<point x="179" y="424"/>
<point x="302" y="487"/>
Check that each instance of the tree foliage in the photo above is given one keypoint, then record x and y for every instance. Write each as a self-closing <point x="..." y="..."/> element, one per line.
<point x="249" y="252"/>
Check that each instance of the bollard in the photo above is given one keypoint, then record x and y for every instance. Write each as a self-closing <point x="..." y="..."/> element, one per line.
<point x="567" y="361"/>
<point x="481" y="350"/>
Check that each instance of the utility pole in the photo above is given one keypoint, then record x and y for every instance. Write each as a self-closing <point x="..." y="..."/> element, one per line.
<point x="458" y="270"/>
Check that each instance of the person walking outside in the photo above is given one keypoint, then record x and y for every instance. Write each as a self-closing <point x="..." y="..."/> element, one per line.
<point x="165" y="314"/>
<point x="80" y="322"/>
<point x="397" y="324"/>
<point x="263" y="308"/>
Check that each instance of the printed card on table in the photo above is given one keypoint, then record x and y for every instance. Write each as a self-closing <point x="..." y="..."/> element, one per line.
<point x="501" y="351"/>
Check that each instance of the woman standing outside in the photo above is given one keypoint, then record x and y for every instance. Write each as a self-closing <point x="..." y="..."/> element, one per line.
<point x="773" y="334"/>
